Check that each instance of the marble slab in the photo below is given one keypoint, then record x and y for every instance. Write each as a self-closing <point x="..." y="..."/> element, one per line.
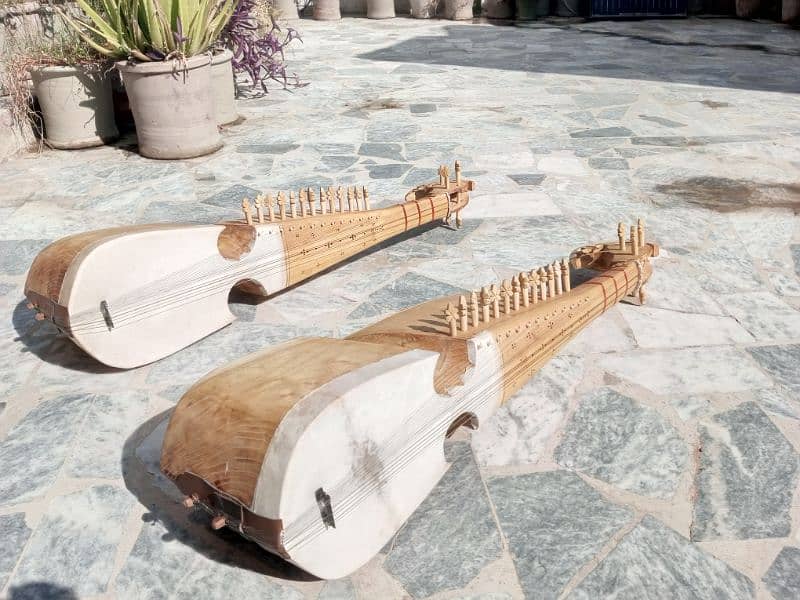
<point x="781" y="363"/>
<point x="688" y="371"/>
<point x="15" y="535"/>
<point x="554" y="524"/>
<point x="75" y="544"/>
<point x="764" y="315"/>
<point x="653" y="562"/>
<point x="451" y="536"/>
<point x="518" y="433"/>
<point x="662" y="328"/>
<point x="783" y="577"/>
<point x="746" y="478"/>
<point x="36" y="448"/>
<point x="632" y="447"/>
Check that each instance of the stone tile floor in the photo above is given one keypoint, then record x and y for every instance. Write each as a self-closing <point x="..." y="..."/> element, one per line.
<point x="655" y="457"/>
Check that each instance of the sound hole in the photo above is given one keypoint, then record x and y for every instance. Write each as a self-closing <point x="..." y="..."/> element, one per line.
<point x="468" y="420"/>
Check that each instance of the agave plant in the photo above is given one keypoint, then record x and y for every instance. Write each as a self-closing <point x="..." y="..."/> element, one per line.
<point x="148" y="30"/>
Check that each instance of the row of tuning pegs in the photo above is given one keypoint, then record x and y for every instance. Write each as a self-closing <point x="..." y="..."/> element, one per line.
<point x="636" y="237"/>
<point x="266" y="209"/>
<point x="522" y="290"/>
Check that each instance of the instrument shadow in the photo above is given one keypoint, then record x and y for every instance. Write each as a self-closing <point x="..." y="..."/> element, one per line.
<point x="191" y="527"/>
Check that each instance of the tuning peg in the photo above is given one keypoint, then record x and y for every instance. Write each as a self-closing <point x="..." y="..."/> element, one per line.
<point x="505" y="293"/>
<point x="349" y="198"/>
<point x="556" y="266"/>
<point x="634" y="241"/>
<point x="473" y="308"/>
<point x="259" y="202"/>
<point x="270" y="208"/>
<point x="365" y="195"/>
<point x="451" y="316"/>
<point x="302" y="200"/>
<point x="640" y="232"/>
<point x="331" y="203"/>
<point x="248" y="217"/>
<point x="292" y="207"/>
<point x="495" y="300"/>
<point x="542" y="283"/>
<point x="312" y="207"/>
<point x="565" y="283"/>
<point x="515" y="292"/>
<point x="282" y="205"/>
<point x="462" y="313"/>
<point x="340" y="198"/>
<point x="458" y="172"/>
<point x="524" y="284"/>
<point x="485" y="303"/>
<point x="621" y="235"/>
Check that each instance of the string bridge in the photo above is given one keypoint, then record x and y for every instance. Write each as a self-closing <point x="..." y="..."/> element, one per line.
<point x="325" y="510"/>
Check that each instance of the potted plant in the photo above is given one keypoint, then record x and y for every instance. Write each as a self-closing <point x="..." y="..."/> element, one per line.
<point x="223" y="87"/>
<point x="380" y="9"/>
<point x="70" y="83"/>
<point x="530" y="10"/>
<point x="257" y="43"/>
<point x="498" y="9"/>
<point x="327" y="10"/>
<point x="285" y="9"/>
<point x="458" y="10"/>
<point x="423" y="9"/>
<point x="164" y="47"/>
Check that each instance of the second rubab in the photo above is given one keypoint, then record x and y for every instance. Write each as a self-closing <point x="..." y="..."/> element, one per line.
<point x="319" y="449"/>
<point x="131" y="295"/>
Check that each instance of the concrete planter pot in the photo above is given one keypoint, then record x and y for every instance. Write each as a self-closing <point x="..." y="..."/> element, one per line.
<point x="530" y="10"/>
<point x="458" y="10"/>
<point x="76" y="104"/>
<point x="327" y="10"/>
<point x="380" y="9"/>
<point x="423" y="9"/>
<point x="498" y="9"/>
<point x="287" y="9"/>
<point x="223" y="87"/>
<point x="173" y="107"/>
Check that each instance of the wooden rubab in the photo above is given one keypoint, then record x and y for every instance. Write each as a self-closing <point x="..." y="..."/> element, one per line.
<point x="319" y="449"/>
<point x="131" y="295"/>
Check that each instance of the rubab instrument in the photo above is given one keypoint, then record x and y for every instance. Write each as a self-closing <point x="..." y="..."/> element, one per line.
<point x="319" y="449"/>
<point x="131" y="295"/>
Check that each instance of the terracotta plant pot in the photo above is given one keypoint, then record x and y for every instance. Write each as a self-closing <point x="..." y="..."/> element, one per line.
<point x="173" y="107"/>
<point x="224" y="88"/>
<point x="286" y="9"/>
<point x="458" y="10"/>
<point x="327" y="10"/>
<point x="498" y="9"/>
<point x="423" y="9"/>
<point x="76" y="106"/>
<point x="380" y="9"/>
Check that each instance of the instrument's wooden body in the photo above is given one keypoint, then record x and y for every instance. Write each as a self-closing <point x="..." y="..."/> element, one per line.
<point x="320" y="449"/>
<point x="131" y="295"/>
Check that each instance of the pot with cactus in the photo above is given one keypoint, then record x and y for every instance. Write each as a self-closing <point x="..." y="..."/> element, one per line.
<point x="163" y="49"/>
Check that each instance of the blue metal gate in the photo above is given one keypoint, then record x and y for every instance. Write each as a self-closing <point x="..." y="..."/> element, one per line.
<point x="639" y="8"/>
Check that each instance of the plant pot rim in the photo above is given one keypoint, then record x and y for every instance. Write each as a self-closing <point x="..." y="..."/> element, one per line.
<point x="221" y="56"/>
<point x="66" y="69"/>
<point x="163" y="66"/>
